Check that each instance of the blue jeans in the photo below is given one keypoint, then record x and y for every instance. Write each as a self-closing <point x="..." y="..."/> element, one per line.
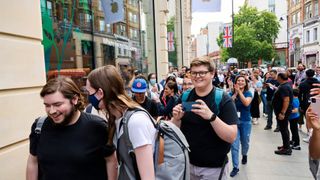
<point x="264" y="102"/>
<point x="243" y="136"/>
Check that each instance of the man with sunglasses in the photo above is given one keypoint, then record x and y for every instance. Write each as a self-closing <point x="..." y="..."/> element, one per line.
<point x="208" y="134"/>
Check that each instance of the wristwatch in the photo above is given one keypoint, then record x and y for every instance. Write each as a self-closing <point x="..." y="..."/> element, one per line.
<point x="212" y="118"/>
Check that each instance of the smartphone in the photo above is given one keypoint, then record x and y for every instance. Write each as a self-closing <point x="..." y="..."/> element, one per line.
<point x="315" y="105"/>
<point x="187" y="106"/>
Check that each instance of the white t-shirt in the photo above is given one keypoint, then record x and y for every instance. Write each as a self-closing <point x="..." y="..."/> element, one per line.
<point x="141" y="130"/>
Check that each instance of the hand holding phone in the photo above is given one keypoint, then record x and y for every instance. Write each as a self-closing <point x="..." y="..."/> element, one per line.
<point x="187" y="106"/>
<point x="315" y="105"/>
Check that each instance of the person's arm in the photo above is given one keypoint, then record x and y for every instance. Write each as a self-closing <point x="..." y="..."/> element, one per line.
<point x="112" y="166"/>
<point x="286" y="101"/>
<point x="314" y="146"/>
<point x="144" y="157"/>
<point x="295" y="110"/>
<point x="32" y="168"/>
<point x="225" y="131"/>
<point x="246" y="101"/>
<point x="314" y="121"/>
<point x="177" y="114"/>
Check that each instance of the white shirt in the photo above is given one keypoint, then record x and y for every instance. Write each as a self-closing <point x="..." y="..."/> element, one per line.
<point x="141" y="130"/>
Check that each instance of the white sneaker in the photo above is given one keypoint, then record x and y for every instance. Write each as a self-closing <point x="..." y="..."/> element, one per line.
<point x="265" y="115"/>
<point x="306" y="140"/>
<point x="254" y="121"/>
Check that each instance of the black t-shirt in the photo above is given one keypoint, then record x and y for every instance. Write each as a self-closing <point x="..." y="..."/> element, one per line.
<point x="72" y="152"/>
<point x="207" y="149"/>
<point x="270" y="91"/>
<point x="284" y="90"/>
<point x="150" y="106"/>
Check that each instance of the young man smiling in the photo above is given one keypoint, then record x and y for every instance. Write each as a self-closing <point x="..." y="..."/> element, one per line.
<point x="209" y="135"/>
<point x="72" y="144"/>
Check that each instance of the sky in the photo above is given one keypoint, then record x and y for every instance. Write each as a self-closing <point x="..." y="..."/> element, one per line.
<point x="200" y="20"/>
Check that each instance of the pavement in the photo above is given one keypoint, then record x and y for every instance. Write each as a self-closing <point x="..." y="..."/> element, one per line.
<point x="264" y="164"/>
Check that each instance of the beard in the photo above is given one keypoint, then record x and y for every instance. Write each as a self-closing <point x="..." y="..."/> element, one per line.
<point x="68" y="118"/>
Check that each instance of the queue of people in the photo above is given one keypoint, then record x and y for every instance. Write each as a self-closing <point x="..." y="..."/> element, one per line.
<point x="73" y="143"/>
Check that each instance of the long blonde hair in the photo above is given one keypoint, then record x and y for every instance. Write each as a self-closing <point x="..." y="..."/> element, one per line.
<point x="115" y="97"/>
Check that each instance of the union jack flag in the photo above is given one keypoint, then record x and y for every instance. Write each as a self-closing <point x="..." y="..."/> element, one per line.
<point x="170" y="41"/>
<point x="291" y="45"/>
<point x="227" y="36"/>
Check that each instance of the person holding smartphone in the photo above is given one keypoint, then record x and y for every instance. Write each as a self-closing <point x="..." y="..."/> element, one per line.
<point x="242" y="98"/>
<point x="313" y="119"/>
<point x="208" y="134"/>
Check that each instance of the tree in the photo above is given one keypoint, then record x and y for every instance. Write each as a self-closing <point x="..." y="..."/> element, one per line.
<point x="254" y="34"/>
<point x="172" y="56"/>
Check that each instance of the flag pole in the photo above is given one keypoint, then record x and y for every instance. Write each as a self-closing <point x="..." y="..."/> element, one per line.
<point x="181" y="14"/>
<point x="232" y="26"/>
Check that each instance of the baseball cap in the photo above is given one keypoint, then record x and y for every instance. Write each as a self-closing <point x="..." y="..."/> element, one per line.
<point x="139" y="86"/>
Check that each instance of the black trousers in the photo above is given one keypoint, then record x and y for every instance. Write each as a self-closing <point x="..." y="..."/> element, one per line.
<point x="294" y="131"/>
<point x="255" y="110"/>
<point x="283" y="127"/>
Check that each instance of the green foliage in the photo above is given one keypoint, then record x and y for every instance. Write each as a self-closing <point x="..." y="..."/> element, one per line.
<point x="172" y="56"/>
<point x="170" y="24"/>
<point x="255" y="31"/>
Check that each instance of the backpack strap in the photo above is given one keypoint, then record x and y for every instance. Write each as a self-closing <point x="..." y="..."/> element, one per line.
<point x="185" y="95"/>
<point x="218" y="94"/>
<point x="39" y="124"/>
<point x="89" y="108"/>
<point x="217" y="99"/>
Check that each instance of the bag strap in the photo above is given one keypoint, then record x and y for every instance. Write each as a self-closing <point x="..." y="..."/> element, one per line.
<point x="89" y="108"/>
<point x="218" y="94"/>
<point x="223" y="167"/>
<point x="185" y="95"/>
<point x="39" y="124"/>
<point x="217" y="99"/>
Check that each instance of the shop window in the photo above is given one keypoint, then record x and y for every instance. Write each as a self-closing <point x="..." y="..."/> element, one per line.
<point x="307" y="36"/>
<point x="101" y="25"/>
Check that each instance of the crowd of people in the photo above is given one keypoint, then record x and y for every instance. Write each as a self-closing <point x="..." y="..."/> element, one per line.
<point x="75" y="143"/>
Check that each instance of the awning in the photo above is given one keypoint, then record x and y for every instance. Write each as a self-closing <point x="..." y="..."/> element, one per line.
<point x="123" y="61"/>
<point x="80" y="72"/>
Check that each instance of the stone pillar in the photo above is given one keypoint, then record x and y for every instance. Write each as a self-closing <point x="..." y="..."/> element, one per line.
<point x="22" y="77"/>
<point x="79" y="62"/>
<point x="161" y="38"/>
<point x="98" y="52"/>
<point x="178" y="33"/>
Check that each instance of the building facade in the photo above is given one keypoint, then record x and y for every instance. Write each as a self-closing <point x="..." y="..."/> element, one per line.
<point x="310" y="54"/>
<point x="76" y="37"/>
<point x="214" y="31"/>
<point x="183" y="32"/>
<point x="304" y="32"/>
<point x="156" y="13"/>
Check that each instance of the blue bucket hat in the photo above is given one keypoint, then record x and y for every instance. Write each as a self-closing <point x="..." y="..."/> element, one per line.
<point x="139" y="86"/>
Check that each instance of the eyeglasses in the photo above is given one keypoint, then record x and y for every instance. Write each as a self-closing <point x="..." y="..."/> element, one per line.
<point x="200" y="73"/>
